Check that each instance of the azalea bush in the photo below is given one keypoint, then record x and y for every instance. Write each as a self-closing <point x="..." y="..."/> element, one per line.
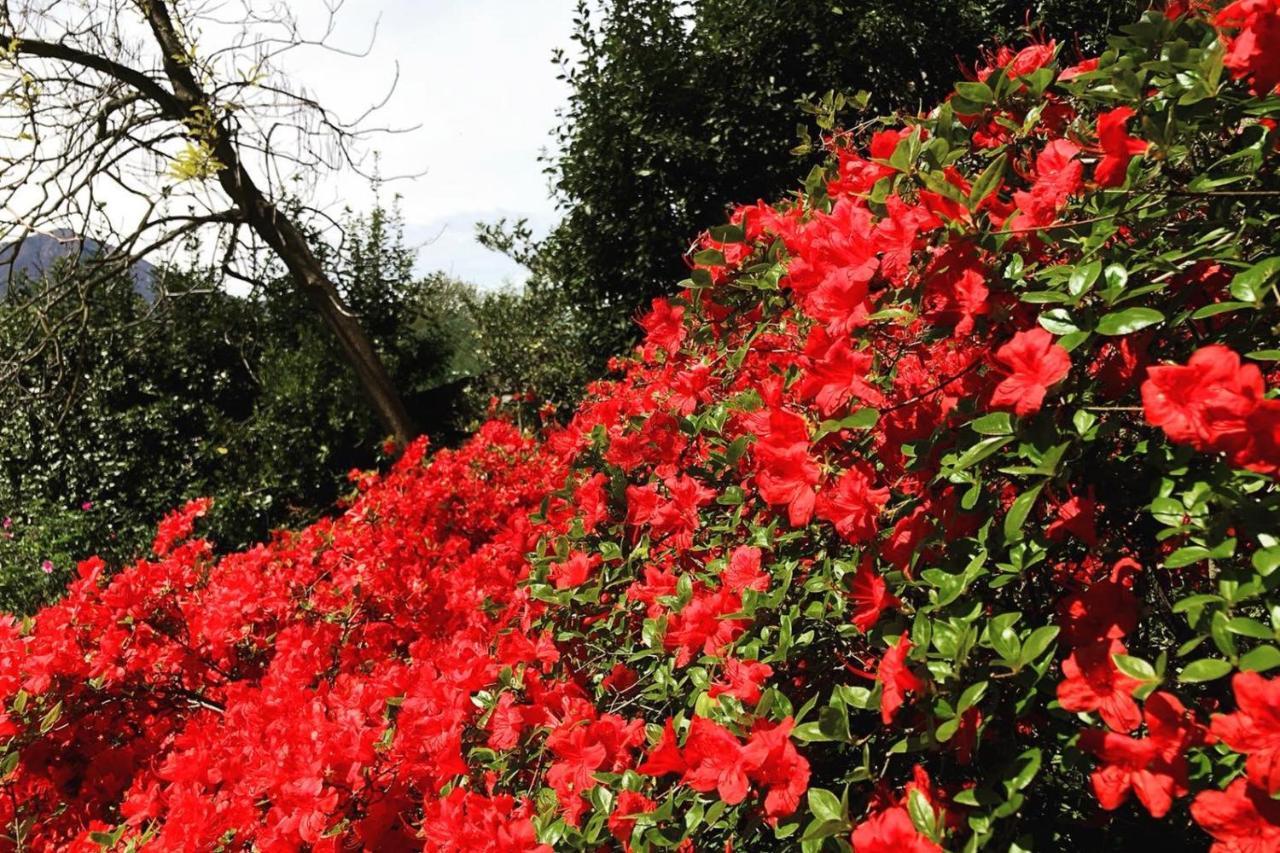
<point x="938" y="512"/>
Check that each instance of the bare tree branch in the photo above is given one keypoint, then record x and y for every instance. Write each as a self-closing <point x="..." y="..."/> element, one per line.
<point x="116" y="127"/>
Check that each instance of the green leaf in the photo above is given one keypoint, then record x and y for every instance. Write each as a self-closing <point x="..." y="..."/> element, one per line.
<point x="1058" y="321"/>
<point x="1128" y="320"/>
<point x="1035" y="644"/>
<point x="1004" y="639"/>
<point x="825" y="805"/>
<point x="1194" y="601"/>
<point x="1028" y="766"/>
<point x="922" y="814"/>
<point x="971" y="696"/>
<point x="1219" y="308"/>
<point x="987" y="181"/>
<point x="1018" y="512"/>
<point x="978" y="93"/>
<point x="980" y="451"/>
<point x="1250" y="284"/>
<point x="1083" y="278"/>
<point x="1135" y="667"/>
<point x="710" y="258"/>
<point x="996" y="423"/>
<point x="50" y="719"/>
<point x="1266" y="560"/>
<point x="1260" y="659"/>
<point x="1205" y="669"/>
<point x="1186" y="556"/>
<point x="1246" y="627"/>
<point x="820" y="829"/>
<point x="860" y="419"/>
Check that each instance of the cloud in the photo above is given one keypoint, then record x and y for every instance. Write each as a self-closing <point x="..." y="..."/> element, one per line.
<point x="477" y="76"/>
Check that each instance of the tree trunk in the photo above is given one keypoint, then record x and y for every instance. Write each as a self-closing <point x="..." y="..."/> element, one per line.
<point x="279" y="232"/>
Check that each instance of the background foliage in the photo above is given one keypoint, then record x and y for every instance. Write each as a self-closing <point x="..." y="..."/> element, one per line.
<point x="241" y="398"/>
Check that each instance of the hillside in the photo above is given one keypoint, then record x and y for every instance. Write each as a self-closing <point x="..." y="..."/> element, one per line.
<point x="937" y="511"/>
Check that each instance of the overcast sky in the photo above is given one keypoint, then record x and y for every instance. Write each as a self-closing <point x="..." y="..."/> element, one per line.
<point x="477" y="76"/>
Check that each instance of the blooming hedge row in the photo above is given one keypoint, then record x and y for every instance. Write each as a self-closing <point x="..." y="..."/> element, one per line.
<point x="939" y="511"/>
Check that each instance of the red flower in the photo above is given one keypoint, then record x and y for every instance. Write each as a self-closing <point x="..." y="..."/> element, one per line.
<point x="622" y="821"/>
<point x="786" y="476"/>
<point x="506" y="723"/>
<point x="774" y="764"/>
<point x="1205" y="402"/>
<point x="1118" y="147"/>
<point x="895" y="679"/>
<point x="743" y="570"/>
<point x="1104" y="611"/>
<point x="1254" y="728"/>
<point x="1077" y="516"/>
<point x="891" y="831"/>
<point x="701" y="624"/>
<point x="837" y="374"/>
<point x="664" y="328"/>
<point x="574" y="571"/>
<point x="178" y="525"/>
<point x="1154" y="768"/>
<point x="1093" y="683"/>
<point x="1059" y="174"/>
<point x="715" y="762"/>
<point x="665" y="757"/>
<point x="1032" y="362"/>
<point x="742" y="680"/>
<point x="908" y="533"/>
<point x="1214" y="402"/>
<point x="1251" y="49"/>
<point x="956" y="289"/>
<point x="871" y="597"/>
<point x="1241" y="819"/>
<point x="853" y="504"/>
<point x="578" y="756"/>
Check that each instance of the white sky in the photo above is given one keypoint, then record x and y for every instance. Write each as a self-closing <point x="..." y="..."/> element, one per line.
<point x="477" y="76"/>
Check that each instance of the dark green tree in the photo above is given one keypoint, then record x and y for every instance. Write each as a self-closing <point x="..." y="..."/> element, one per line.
<point x="136" y="406"/>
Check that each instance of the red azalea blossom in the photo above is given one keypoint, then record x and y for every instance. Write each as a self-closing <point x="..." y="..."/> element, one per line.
<point x="871" y="597"/>
<point x="1117" y="146"/>
<point x="622" y="820"/>
<point x="714" y="761"/>
<point x="1241" y="819"/>
<point x="1059" y="174"/>
<point x="743" y="570"/>
<point x="1091" y="682"/>
<point x="853" y="504"/>
<point x="664" y="328"/>
<point x="891" y="831"/>
<point x="1154" y="768"/>
<point x="574" y="571"/>
<point x="895" y="679"/>
<point x="1106" y="610"/>
<point x="1254" y="32"/>
<point x="742" y="680"/>
<point x="178" y="525"/>
<point x="1254" y="728"/>
<point x="1032" y="363"/>
<point x="1214" y="402"/>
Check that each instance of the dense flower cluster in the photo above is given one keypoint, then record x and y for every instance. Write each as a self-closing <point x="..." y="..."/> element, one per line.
<point x="938" y="511"/>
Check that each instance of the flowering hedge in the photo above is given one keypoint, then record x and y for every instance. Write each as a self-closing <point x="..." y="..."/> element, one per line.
<point x="939" y="511"/>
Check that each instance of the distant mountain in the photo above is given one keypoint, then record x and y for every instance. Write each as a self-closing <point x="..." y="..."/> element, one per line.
<point x="38" y="253"/>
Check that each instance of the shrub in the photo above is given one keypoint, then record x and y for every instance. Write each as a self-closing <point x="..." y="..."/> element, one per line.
<point x="678" y="109"/>
<point x="135" y="406"/>
<point x="938" y="511"/>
